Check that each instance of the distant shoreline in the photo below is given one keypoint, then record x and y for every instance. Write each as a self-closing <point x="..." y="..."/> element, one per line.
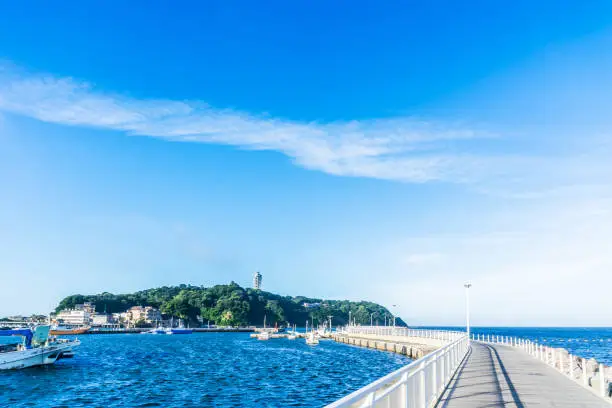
<point x="195" y="330"/>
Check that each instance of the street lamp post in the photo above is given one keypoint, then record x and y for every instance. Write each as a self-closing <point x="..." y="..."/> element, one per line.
<point x="394" y="314"/>
<point x="467" y="287"/>
<point x="371" y="319"/>
<point x="349" y="318"/>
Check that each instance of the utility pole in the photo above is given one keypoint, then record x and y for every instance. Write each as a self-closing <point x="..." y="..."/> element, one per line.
<point x="467" y="287"/>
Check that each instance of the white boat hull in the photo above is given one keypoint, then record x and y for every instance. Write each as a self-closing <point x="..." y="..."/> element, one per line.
<point x="34" y="357"/>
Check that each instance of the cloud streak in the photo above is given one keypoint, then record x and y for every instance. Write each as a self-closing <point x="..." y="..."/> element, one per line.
<point x="406" y="149"/>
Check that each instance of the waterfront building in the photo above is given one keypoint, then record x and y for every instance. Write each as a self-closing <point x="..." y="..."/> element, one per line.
<point x="88" y="307"/>
<point x="143" y="313"/>
<point x="101" y="319"/>
<point x="73" y="317"/>
<point x="257" y="280"/>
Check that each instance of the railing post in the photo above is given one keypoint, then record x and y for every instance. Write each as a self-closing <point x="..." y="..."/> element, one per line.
<point x="602" y="381"/>
<point x="447" y="365"/>
<point x="571" y="366"/>
<point x="585" y="380"/>
<point x="405" y="395"/>
<point x="434" y="378"/>
<point x="422" y="389"/>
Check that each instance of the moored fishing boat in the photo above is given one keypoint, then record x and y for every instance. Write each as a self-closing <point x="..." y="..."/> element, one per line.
<point x="35" y="348"/>
<point x="68" y="331"/>
<point x="292" y="335"/>
<point x="263" y="336"/>
<point x="181" y="329"/>
<point x="312" y="339"/>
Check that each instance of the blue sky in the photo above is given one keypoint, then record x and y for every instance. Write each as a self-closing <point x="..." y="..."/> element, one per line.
<point x="346" y="150"/>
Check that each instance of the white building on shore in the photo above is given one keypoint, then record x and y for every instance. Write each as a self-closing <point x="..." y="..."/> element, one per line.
<point x="73" y="317"/>
<point x="147" y="314"/>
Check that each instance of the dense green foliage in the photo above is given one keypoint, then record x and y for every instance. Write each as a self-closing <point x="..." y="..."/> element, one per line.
<point x="232" y="305"/>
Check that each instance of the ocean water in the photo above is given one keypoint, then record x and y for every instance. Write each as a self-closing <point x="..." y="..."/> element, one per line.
<point x="587" y="342"/>
<point x="232" y="370"/>
<point x="197" y="370"/>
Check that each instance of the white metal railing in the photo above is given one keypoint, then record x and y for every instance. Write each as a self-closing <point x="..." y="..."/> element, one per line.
<point x="443" y="335"/>
<point x="572" y="366"/>
<point x="417" y="385"/>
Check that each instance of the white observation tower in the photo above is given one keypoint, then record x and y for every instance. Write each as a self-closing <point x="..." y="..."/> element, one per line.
<point x="257" y="280"/>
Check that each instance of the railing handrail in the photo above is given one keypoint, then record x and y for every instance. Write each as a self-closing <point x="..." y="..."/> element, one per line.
<point x="447" y="335"/>
<point x="400" y="377"/>
<point x="549" y="356"/>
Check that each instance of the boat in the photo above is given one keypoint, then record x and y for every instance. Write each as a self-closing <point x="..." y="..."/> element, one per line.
<point x="181" y="329"/>
<point x="292" y="335"/>
<point x="264" y="334"/>
<point x="155" y="330"/>
<point x="311" y="338"/>
<point x="35" y="349"/>
<point x="68" y="331"/>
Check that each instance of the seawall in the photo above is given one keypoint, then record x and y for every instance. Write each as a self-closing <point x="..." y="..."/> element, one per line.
<point x="412" y="347"/>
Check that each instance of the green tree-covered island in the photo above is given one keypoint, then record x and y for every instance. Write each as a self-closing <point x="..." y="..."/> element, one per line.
<point x="233" y="305"/>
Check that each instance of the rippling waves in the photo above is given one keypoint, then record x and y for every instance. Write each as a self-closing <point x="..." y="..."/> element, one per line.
<point x="207" y="369"/>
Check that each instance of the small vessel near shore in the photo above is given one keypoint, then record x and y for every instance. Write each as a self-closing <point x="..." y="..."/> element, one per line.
<point x="312" y="338"/>
<point x="68" y="331"/>
<point x="155" y="330"/>
<point x="292" y="335"/>
<point x="181" y="329"/>
<point x="264" y="334"/>
<point x="36" y="348"/>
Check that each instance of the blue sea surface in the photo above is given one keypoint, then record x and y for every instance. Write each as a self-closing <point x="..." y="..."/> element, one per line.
<point x="232" y="370"/>
<point x="197" y="370"/>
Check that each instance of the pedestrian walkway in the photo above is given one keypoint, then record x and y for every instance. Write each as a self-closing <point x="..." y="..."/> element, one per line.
<point x="502" y="376"/>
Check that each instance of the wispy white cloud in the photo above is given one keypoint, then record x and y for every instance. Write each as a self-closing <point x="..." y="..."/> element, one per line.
<point x="406" y="149"/>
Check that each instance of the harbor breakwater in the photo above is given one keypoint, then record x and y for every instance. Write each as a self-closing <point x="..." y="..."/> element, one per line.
<point x="409" y="346"/>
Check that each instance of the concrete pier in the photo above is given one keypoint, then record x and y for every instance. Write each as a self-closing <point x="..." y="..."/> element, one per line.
<point x="494" y="375"/>
<point x="412" y="347"/>
<point x="489" y="371"/>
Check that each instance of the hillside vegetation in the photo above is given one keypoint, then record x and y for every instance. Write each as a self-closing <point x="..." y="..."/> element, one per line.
<point x="232" y="305"/>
